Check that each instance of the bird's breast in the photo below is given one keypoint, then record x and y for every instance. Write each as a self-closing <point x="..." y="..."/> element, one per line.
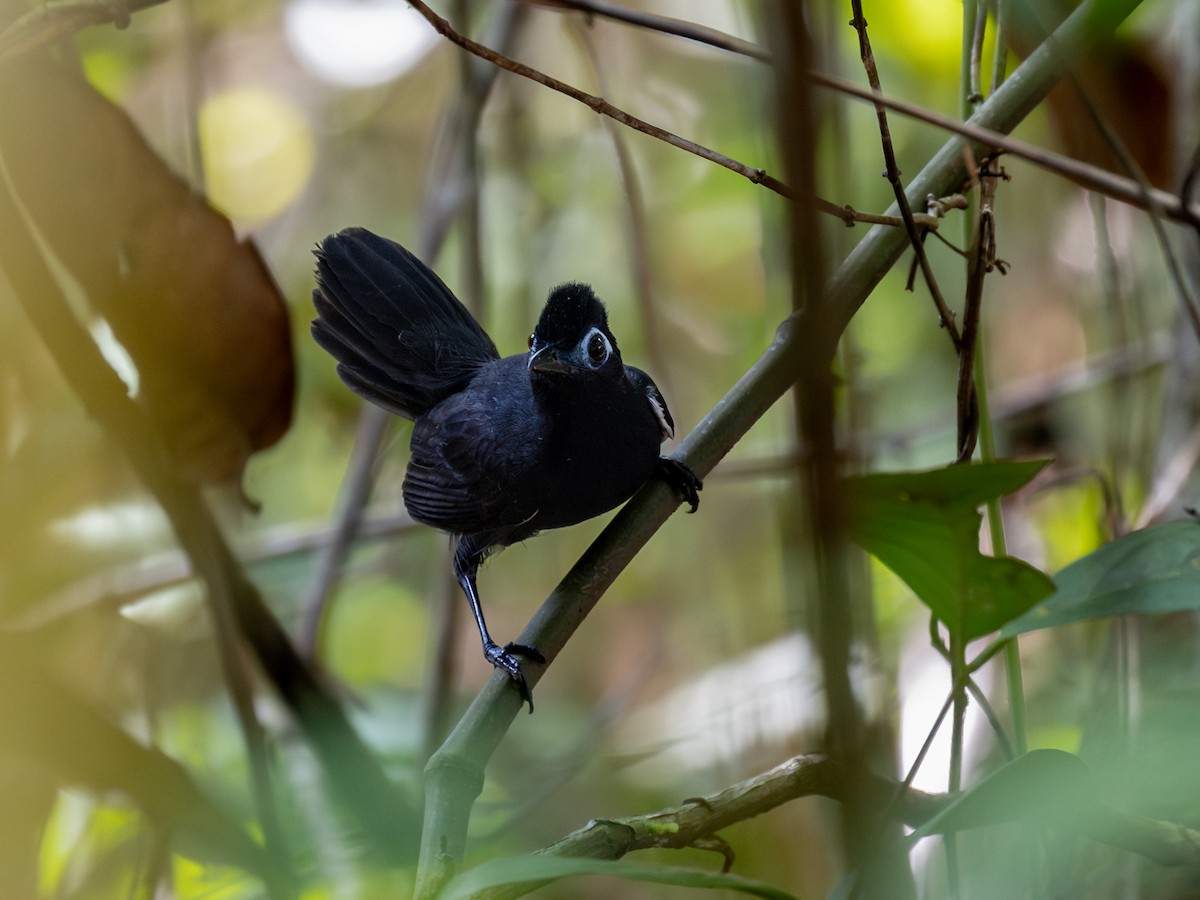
<point x="599" y="448"/>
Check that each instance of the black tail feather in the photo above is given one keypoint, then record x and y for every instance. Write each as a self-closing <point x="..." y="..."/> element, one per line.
<point x="401" y="338"/>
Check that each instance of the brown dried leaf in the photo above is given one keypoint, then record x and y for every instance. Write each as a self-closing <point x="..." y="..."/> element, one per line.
<point x="196" y="309"/>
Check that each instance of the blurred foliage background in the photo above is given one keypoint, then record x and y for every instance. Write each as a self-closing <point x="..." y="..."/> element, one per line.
<point x="296" y="119"/>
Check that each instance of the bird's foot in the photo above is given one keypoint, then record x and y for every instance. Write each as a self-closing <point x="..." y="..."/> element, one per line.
<point x="686" y="483"/>
<point x="506" y="658"/>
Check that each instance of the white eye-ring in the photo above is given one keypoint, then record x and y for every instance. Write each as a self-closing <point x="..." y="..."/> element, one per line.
<point x="596" y="348"/>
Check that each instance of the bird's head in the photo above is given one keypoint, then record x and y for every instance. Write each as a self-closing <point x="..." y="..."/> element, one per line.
<point x="572" y="336"/>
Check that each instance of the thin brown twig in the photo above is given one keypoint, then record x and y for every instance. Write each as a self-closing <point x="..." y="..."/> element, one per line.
<point x="638" y="240"/>
<point x="1191" y="307"/>
<point x="599" y="104"/>
<point x="816" y="775"/>
<point x="352" y="500"/>
<point x="1093" y="178"/>
<point x="690" y="30"/>
<point x="980" y="261"/>
<point x="859" y="23"/>
<point x="759" y="176"/>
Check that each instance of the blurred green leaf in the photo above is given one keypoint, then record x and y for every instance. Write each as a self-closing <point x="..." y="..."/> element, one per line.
<point x="540" y="868"/>
<point x="924" y="526"/>
<point x="1155" y="570"/>
<point x="1041" y="786"/>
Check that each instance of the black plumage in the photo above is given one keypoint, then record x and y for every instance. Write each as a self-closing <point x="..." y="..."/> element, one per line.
<point x="502" y="447"/>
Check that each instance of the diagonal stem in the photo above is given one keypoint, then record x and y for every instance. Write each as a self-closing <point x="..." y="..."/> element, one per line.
<point x="455" y="773"/>
<point x="892" y="172"/>
<point x="598" y="104"/>
<point x="664" y="24"/>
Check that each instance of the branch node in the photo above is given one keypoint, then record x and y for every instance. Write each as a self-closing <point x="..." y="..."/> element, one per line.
<point x="714" y="843"/>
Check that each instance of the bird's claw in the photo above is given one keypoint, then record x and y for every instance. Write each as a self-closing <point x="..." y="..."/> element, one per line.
<point x="504" y="658"/>
<point x="686" y="483"/>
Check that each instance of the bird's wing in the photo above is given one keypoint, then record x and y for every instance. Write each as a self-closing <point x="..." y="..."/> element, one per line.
<point x="473" y="461"/>
<point x="654" y="399"/>
<point x="401" y="338"/>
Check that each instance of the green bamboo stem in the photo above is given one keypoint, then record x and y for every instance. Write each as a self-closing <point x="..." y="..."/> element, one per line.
<point x="464" y="755"/>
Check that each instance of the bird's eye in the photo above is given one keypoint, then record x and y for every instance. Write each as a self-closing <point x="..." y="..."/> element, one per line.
<point x="598" y="348"/>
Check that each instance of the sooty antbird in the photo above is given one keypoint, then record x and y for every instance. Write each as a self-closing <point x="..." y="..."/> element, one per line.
<point x="502" y="447"/>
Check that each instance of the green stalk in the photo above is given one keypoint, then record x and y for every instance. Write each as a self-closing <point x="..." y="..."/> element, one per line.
<point x="956" y="644"/>
<point x="480" y="731"/>
<point x="1012" y="652"/>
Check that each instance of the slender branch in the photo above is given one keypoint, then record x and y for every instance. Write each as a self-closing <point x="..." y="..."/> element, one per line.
<point x="1000" y="55"/>
<point x="969" y="100"/>
<point x="53" y="20"/>
<point x="989" y="712"/>
<point x="1093" y="178"/>
<point x="690" y="30"/>
<point x="454" y="193"/>
<point x="458" y="766"/>
<point x="859" y="23"/>
<point x="352" y="502"/>
<point x="1191" y="307"/>
<point x="978" y="32"/>
<point x="980" y="261"/>
<point x="926" y="745"/>
<point x="110" y="588"/>
<point x="1171" y="480"/>
<point x="638" y="242"/>
<point x="601" y="106"/>
<point x="597" y="104"/>
<point x="102" y="391"/>
<point x="816" y="775"/>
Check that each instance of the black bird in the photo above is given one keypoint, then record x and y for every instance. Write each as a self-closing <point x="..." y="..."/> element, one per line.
<point x="502" y="447"/>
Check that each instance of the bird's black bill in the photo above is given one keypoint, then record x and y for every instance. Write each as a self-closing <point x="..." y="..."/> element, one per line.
<point x="548" y="360"/>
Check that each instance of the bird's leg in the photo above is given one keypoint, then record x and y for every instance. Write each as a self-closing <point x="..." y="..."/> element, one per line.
<point x="466" y="565"/>
<point x="687" y="484"/>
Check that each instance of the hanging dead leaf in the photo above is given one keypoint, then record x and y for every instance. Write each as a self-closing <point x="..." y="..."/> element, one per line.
<point x="196" y="309"/>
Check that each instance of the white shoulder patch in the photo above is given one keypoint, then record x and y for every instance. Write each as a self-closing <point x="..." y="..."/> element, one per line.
<point x="660" y="412"/>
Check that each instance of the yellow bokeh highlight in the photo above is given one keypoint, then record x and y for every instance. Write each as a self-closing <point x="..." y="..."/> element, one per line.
<point x="194" y="880"/>
<point x="258" y="152"/>
<point x="925" y="31"/>
<point x="1069" y="519"/>
<point x="80" y="831"/>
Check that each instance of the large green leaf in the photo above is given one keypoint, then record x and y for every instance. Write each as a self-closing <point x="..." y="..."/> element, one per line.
<point x="540" y="868"/>
<point x="924" y="526"/>
<point x="1043" y="786"/>
<point x="1155" y="570"/>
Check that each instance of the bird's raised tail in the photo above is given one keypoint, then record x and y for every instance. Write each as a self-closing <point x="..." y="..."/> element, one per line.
<point x="401" y="339"/>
